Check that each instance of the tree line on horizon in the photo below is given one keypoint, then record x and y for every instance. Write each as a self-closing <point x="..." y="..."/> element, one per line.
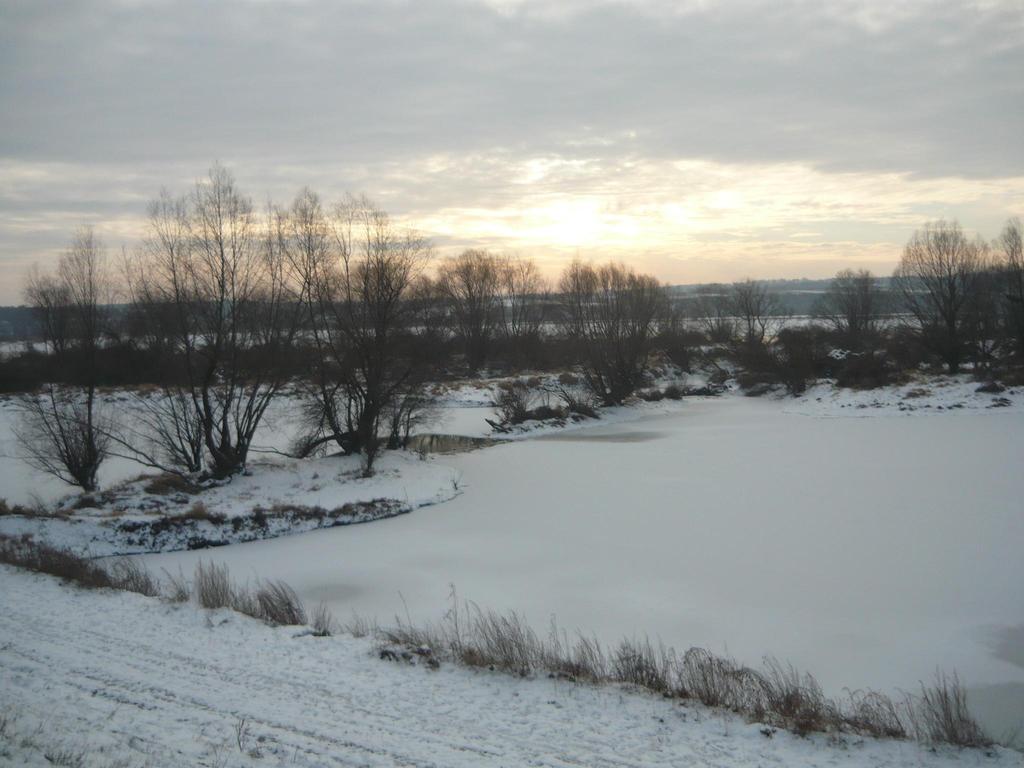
<point x="225" y="307"/>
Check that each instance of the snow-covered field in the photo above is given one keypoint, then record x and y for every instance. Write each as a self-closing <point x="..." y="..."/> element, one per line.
<point x="868" y="550"/>
<point x="102" y="679"/>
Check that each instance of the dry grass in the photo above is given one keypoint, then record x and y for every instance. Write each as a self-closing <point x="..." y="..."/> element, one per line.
<point x="178" y="588"/>
<point x="130" y="576"/>
<point x="874" y="714"/>
<point x="639" y="663"/>
<point x="199" y="511"/>
<point x="36" y="509"/>
<point x="940" y="714"/>
<point x="582" y="659"/>
<point x="273" y="602"/>
<point x="360" y="626"/>
<point x="778" y="694"/>
<point x="14" y="509"/>
<point x="708" y="678"/>
<point x="797" y="699"/>
<point x="278" y="604"/>
<point x="212" y="586"/>
<point x="61" y="563"/>
<point x="322" y="622"/>
<point x="168" y="484"/>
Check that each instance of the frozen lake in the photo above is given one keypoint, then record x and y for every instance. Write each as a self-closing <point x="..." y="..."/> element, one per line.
<point x="867" y="550"/>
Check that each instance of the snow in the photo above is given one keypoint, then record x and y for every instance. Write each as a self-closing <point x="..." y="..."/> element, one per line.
<point x="869" y="550"/>
<point x="119" y="679"/>
<point x="401" y="483"/>
<point x="921" y="394"/>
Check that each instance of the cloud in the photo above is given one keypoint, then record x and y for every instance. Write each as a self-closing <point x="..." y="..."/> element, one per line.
<point x="577" y="121"/>
<point x="930" y="88"/>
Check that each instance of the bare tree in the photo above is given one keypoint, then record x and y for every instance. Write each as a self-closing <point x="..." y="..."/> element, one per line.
<point x="1011" y="248"/>
<point x="410" y="408"/>
<point x="522" y="295"/>
<point x="163" y="431"/>
<point x="983" y="319"/>
<point x="212" y="277"/>
<point x="63" y="428"/>
<point x="756" y="310"/>
<point x="937" y="278"/>
<point x="712" y="311"/>
<point x="51" y="305"/>
<point x="356" y="273"/>
<point x="613" y="314"/>
<point x="471" y="283"/>
<point x="64" y="434"/>
<point x="853" y="306"/>
<point x="431" y="315"/>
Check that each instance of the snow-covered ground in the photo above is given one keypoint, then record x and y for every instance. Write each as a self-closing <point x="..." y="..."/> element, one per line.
<point x="128" y="516"/>
<point x="103" y="679"/>
<point x="869" y="551"/>
<point x="923" y="394"/>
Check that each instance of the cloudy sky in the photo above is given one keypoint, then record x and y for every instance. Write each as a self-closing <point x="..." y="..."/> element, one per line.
<point x="697" y="140"/>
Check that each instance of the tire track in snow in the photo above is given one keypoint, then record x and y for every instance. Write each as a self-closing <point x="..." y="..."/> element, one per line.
<point x="105" y="674"/>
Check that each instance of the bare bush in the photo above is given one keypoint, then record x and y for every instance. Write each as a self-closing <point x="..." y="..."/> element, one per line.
<point x="577" y="399"/>
<point x="757" y="312"/>
<point x="712" y="311"/>
<point x="674" y="392"/>
<point x="853" y="306"/>
<point x="471" y="284"/>
<point x="513" y="402"/>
